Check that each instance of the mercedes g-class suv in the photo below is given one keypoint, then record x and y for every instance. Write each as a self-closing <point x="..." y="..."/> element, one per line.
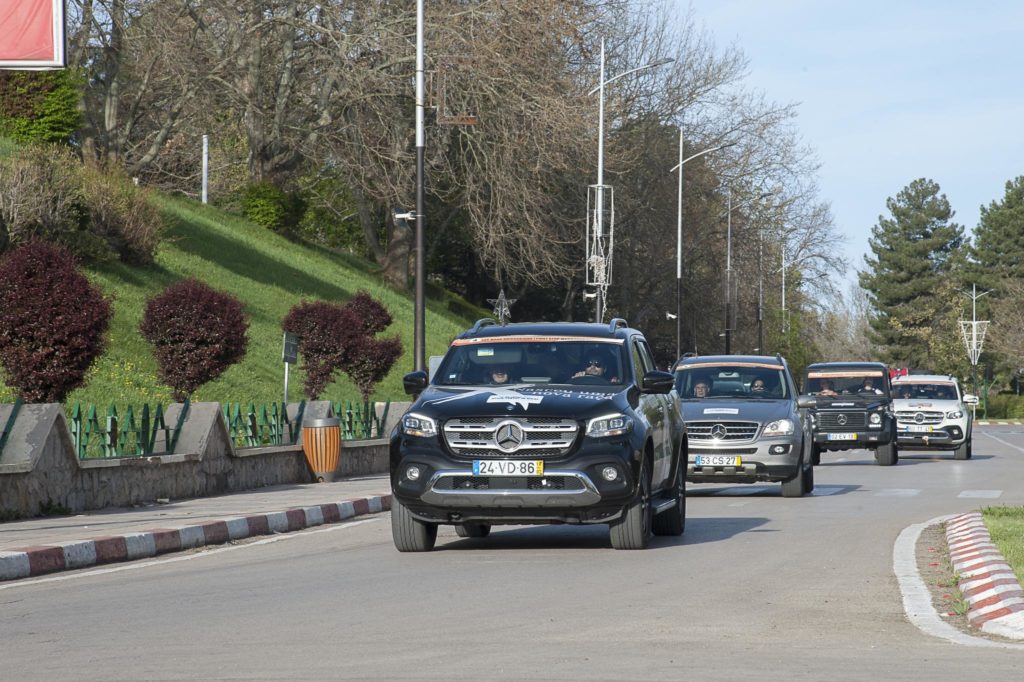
<point x="932" y="414"/>
<point x="853" y="410"/>
<point x="743" y="422"/>
<point x="540" y="423"/>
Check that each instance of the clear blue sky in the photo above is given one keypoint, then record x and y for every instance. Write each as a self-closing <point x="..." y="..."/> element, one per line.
<point x="889" y="92"/>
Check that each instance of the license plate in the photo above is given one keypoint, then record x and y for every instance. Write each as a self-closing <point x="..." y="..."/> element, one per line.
<point x="508" y="467"/>
<point x="842" y="436"/>
<point x="918" y="428"/>
<point x="718" y="461"/>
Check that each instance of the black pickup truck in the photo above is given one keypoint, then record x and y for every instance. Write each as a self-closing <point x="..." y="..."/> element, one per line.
<point x="534" y="423"/>
<point x="853" y="409"/>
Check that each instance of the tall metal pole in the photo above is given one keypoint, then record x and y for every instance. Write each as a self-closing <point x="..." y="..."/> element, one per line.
<point x="760" y="292"/>
<point x="784" y="328"/>
<point x="206" y="166"/>
<point x="679" y="249"/>
<point x="599" y="223"/>
<point x="420" y="335"/>
<point x="728" y="276"/>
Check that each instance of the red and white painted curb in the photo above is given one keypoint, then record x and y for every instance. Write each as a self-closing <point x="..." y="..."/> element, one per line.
<point x="33" y="561"/>
<point x="988" y="584"/>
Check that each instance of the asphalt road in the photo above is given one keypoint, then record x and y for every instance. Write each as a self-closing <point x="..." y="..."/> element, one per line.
<point x="759" y="587"/>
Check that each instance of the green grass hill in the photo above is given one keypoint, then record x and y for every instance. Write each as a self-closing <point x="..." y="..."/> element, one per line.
<point x="269" y="274"/>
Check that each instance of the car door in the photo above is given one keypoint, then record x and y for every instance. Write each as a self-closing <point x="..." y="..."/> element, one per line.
<point x="656" y="408"/>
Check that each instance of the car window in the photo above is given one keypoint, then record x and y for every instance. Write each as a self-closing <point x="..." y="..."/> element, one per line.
<point x="831" y="382"/>
<point x="535" y="360"/>
<point x="920" y="390"/>
<point x="750" y="380"/>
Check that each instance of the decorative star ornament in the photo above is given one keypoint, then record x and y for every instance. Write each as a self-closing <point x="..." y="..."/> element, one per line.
<point x="501" y="305"/>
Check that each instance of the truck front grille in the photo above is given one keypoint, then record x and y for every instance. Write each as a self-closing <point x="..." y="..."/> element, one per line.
<point x="497" y="437"/>
<point x="722" y="431"/>
<point x="842" y="421"/>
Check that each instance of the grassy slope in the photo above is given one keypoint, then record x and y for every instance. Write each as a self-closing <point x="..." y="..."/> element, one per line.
<point x="1006" y="526"/>
<point x="269" y="274"/>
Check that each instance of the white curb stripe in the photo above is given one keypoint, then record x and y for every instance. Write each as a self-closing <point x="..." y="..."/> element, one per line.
<point x="277" y="522"/>
<point x="140" y="545"/>
<point x="314" y="516"/>
<point x="238" y="528"/>
<point x="192" y="536"/>
<point x="1011" y="625"/>
<point x="14" y="565"/>
<point x="79" y="554"/>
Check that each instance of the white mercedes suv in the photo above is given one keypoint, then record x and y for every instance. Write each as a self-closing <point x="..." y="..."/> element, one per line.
<point x="932" y="413"/>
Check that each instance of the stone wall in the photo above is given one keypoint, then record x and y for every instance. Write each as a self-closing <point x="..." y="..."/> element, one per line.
<point x="40" y="472"/>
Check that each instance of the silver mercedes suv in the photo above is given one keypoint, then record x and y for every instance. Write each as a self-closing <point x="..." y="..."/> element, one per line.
<point x="743" y="422"/>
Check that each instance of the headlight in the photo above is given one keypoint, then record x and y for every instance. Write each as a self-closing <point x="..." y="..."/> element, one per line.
<point x="609" y="425"/>
<point x="417" y="425"/>
<point x="955" y="414"/>
<point x="876" y="418"/>
<point x="781" y="427"/>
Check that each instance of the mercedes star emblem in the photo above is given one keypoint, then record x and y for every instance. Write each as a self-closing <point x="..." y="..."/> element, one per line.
<point x="919" y="417"/>
<point x="841" y="419"/>
<point x="509" y="436"/>
<point x="718" y="431"/>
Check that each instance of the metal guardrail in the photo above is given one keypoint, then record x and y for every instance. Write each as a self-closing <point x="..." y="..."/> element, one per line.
<point x="259" y="426"/>
<point x="361" y="423"/>
<point x="127" y="436"/>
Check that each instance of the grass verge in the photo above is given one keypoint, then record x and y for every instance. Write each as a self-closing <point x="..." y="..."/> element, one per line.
<point x="1006" y="526"/>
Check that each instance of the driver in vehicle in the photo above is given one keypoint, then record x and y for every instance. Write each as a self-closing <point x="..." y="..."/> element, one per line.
<point x="827" y="389"/>
<point x="868" y="386"/>
<point x="757" y="386"/>
<point x="498" y="375"/>
<point x="702" y="388"/>
<point x="596" y="365"/>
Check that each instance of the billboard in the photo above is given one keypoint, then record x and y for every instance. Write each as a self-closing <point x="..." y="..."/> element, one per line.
<point x="31" y="34"/>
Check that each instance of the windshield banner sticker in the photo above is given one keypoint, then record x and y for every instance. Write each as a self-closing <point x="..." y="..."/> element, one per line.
<point x="522" y="395"/>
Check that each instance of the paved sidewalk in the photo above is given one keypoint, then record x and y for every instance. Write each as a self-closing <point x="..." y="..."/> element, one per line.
<point x="54" y="543"/>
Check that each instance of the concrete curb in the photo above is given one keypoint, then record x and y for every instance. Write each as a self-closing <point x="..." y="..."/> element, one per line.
<point x="998" y="422"/>
<point x="994" y="596"/>
<point x="33" y="561"/>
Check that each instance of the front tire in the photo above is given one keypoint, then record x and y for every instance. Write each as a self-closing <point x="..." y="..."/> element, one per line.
<point x="815" y="454"/>
<point x="963" y="451"/>
<point x="887" y="455"/>
<point x="796" y="486"/>
<point x="809" y="480"/>
<point x="672" y="521"/>
<point x="633" y="529"/>
<point x="409" y="533"/>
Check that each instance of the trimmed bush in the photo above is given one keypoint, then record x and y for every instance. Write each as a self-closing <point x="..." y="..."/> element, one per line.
<point x="335" y="337"/>
<point x="198" y="332"/>
<point x="275" y="209"/>
<point x="52" y="322"/>
<point x="40" y="106"/>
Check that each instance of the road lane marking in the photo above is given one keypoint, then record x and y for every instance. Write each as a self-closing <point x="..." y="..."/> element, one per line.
<point x="1009" y="445"/>
<point x="825" y="490"/>
<point x="897" y="492"/>
<point x="981" y="494"/>
<point x="917" y="598"/>
<point x="184" y="557"/>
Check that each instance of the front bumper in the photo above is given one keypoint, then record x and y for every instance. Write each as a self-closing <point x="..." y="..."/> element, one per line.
<point x="571" y="490"/>
<point x="759" y="461"/>
<point x="940" y="437"/>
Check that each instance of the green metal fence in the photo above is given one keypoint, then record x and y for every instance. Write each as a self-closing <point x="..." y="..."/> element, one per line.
<point x="253" y="427"/>
<point x="361" y="423"/>
<point x="124" y="436"/>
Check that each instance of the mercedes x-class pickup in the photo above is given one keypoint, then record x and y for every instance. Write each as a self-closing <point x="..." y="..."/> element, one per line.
<point x="535" y="423"/>
<point x="932" y="414"/>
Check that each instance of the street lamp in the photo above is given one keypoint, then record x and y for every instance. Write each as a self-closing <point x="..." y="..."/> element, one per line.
<point x="600" y="280"/>
<point x="728" y="266"/>
<point x="679" y="232"/>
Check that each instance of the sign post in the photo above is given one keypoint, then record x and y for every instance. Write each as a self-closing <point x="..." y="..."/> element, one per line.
<point x="290" y="354"/>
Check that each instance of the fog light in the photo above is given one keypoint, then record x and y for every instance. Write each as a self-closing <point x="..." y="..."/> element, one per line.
<point x="412" y="473"/>
<point x="778" y="449"/>
<point x="610" y="473"/>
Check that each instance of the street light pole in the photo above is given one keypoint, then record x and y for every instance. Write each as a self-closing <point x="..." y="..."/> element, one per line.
<point x="679" y="232"/>
<point x="728" y="276"/>
<point x="760" y="291"/>
<point x="599" y="190"/>
<point x="419" y="325"/>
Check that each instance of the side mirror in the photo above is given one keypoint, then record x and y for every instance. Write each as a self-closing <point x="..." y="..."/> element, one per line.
<point x="415" y="382"/>
<point x="806" y="402"/>
<point x="970" y="399"/>
<point x="656" y="381"/>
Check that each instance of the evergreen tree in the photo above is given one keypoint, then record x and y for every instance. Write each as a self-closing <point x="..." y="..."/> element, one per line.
<point x="998" y="251"/>
<point x="917" y="252"/>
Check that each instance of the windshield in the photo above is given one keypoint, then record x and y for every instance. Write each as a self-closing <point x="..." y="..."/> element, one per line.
<point x="747" y="380"/>
<point x="580" y="361"/>
<point x="840" y="382"/>
<point x="925" y="391"/>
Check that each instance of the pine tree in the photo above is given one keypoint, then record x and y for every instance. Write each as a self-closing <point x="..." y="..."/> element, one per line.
<point x="998" y="251"/>
<point x="916" y="251"/>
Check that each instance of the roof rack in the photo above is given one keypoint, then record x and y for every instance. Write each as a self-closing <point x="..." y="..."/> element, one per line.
<point x="617" y="323"/>
<point x="482" y="322"/>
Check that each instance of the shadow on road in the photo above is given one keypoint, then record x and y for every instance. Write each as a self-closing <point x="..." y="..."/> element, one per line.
<point x="699" y="530"/>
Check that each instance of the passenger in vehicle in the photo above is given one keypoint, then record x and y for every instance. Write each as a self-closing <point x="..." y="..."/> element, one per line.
<point x="868" y="386"/>
<point x="596" y="365"/>
<point x="827" y="389"/>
